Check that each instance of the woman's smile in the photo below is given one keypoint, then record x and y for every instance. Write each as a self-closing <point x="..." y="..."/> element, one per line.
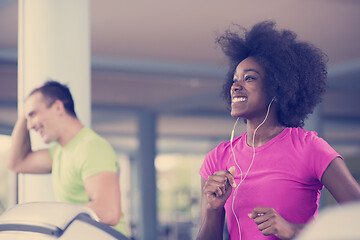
<point x="237" y="99"/>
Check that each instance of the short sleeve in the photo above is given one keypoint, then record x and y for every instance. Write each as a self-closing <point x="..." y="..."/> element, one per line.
<point x="208" y="166"/>
<point x="98" y="157"/>
<point x="321" y="156"/>
<point x="214" y="161"/>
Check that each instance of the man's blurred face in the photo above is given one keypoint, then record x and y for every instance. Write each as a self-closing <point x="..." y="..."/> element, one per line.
<point x="41" y="116"/>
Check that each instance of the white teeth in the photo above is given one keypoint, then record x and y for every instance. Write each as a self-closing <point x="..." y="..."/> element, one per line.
<point x="239" y="99"/>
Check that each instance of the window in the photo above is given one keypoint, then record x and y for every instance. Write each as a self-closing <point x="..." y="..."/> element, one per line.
<point x="179" y="193"/>
<point x="5" y="174"/>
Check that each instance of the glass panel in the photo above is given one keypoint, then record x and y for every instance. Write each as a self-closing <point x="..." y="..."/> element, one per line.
<point x="179" y="193"/>
<point x="4" y="173"/>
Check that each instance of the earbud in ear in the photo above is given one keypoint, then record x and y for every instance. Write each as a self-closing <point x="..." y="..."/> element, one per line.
<point x="274" y="99"/>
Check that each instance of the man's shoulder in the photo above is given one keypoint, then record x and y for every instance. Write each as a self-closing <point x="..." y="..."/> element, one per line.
<point x="91" y="139"/>
<point x="89" y="134"/>
<point x="91" y="148"/>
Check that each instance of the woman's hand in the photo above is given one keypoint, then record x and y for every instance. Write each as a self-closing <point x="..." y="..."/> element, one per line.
<point x="218" y="187"/>
<point x="270" y="222"/>
<point x="215" y="190"/>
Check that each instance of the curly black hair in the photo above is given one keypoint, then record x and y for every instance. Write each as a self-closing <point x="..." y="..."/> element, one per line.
<point x="295" y="71"/>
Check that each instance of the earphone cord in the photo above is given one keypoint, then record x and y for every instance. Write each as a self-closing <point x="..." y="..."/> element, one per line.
<point x="241" y="173"/>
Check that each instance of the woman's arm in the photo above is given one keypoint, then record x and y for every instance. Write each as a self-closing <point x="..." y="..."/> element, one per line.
<point x="212" y="221"/>
<point x="215" y="191"/>
<point x="336" y="178"/>
<point x="340" y="183"/>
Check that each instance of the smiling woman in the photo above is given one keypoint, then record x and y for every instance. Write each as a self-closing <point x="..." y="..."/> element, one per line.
<point x="267" y="181"/>
<point x="295" y="72"/>
<point x="248" y="91"/>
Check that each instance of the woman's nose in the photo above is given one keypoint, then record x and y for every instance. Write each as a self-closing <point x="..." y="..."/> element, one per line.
<point x="236" y="86"/>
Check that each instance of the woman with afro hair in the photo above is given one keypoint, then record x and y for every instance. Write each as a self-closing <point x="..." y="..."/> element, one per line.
<point x="267" y="182"/>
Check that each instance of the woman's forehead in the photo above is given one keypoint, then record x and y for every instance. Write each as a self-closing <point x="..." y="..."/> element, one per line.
<point x="249" y="65"/>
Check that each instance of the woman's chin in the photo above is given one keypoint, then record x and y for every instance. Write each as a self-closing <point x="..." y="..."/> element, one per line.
<point x="236" y="114"/>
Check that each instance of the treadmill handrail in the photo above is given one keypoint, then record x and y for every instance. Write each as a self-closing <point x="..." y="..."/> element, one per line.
<point x="106" y="228"/>
<point x="54" y="231"/>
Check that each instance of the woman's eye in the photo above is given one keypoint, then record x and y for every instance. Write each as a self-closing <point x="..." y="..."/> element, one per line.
<point x="234" y="81"/>
<point x="249" y="78"/>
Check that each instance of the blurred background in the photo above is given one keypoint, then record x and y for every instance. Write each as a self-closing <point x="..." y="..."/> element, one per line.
<point x="158" y="57"/>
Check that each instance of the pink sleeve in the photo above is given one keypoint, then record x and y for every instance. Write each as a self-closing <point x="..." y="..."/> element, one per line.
<point x="208" y="166"/>
<point x="214" y="160"/>
<point x="322" y="155"/>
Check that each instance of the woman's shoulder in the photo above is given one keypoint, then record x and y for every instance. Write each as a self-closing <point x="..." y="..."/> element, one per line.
<point x="303" y="139"/>
<point x="225" y="146"/>
<point x="303" y="135"/>
<point x="216" y="159"/>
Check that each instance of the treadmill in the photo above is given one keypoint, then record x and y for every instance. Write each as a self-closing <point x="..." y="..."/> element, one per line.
<point x="54" y="220"/>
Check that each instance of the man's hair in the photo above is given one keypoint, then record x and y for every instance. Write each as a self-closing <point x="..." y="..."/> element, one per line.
<point x="52" y="91"/>
<point x="295" y="71"/>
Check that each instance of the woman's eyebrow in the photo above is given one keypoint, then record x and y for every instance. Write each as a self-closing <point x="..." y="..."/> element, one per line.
<point x="252" y="70"/>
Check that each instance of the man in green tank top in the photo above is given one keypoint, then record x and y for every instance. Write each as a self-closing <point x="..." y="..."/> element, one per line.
<point x="83" y="164"/>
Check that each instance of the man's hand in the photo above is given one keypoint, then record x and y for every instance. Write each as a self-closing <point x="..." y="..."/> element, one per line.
<point x="21" y="158"/>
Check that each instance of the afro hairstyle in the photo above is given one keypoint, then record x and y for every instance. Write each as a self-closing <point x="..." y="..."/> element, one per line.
<point x="295" y="71"/>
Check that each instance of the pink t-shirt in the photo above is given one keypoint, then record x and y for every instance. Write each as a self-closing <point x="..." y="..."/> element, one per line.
<point x="285" y="175"/>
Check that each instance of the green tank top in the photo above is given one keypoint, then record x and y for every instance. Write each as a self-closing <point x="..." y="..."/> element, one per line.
<point x="85" y="155"/>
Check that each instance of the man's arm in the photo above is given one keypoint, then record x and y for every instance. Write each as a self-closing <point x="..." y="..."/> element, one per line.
<point x="21" y="159"/>
<point x="104" y="192"/>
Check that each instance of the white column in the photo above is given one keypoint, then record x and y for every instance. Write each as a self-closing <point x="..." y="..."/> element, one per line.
<point x="53" y="42"/>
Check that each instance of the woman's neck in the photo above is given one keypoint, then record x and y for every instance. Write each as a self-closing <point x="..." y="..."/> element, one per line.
<point x="267" y="131"/>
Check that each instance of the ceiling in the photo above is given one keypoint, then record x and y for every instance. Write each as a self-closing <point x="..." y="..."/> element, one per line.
<point x="160" y="55"/>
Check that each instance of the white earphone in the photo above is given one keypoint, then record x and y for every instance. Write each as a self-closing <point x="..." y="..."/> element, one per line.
<point x="252" y="161"/>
